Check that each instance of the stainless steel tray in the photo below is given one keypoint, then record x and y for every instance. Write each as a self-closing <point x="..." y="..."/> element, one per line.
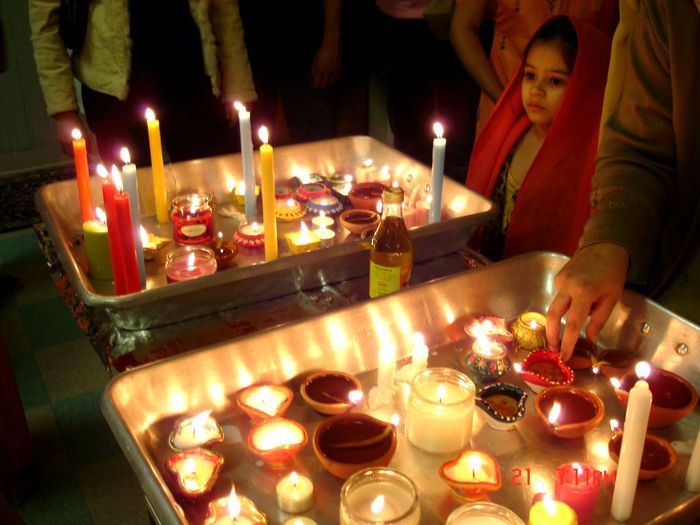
<point x="142" y="404"/>
<point x="254" y="280"/>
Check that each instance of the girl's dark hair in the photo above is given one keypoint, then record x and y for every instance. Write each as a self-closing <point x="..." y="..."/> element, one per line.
<point x="561" y="31"/>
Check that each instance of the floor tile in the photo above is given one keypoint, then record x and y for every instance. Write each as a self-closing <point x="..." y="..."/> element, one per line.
<point x="20" y="248"/>
<point x="28" y="379"/>
<point x="49" y="323"/>
<point x="84" y="431"/>
<point x="37" y="284"/>
<point x="12" y="330"/>
<point x="58" y="501"/>
<point x="49" y="451"/>
<point x="117" y="502"/>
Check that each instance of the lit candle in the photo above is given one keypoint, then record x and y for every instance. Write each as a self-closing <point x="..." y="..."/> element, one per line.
<point x="322" y="220"/>
<point x="423" y="211"/>
<point x="251" y="209"/>
<point x="437" y="173"/>
<point x="131" y="187"/>
<point x="82" y="175"/>
<point x="108" y="192"/>
<point x="483" y="513"/>
<point x="419" y="358"/>
<point x="387" y="368"/>
<point x="365" y="171"/>
<point x="97" y="246"/>
<point x="636" y="419"/>
<point x="195" y="471"/>
<point x="265" y="401"/>
<point x="268" y="192"/>
<point x="300" y="520"/>
<point x="325" y="235"/>
<point x="250" y="236"/>
<point x="547" y="511"/>
<point x="127" y="247"/>
<point x="302" y="241"/>
<point x="151" y="243"/>
<point x="578" y="485"/>
<point x="472" y="474"/>
<point x="692" y="477"/>
<point x="294" y="493"/>
<point x="189" y="262"/>
<point x="277" y="440"/>
<point x="234" y="510"/>
<point x="157" y="168"/>
<point x="192" y="219"/>
<point x="198" y="431"/>
<point x="529" y="331"/>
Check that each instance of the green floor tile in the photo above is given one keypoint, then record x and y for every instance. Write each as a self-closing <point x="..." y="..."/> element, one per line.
<point x="12" y="332"/>
<point x="29" y="382"/>
<point x="19" y="248"/>
<point x="57" y="501"/>
<point x="37" y="284"/>
<point x="85" y="432"/>
<point x="49" y="323"/>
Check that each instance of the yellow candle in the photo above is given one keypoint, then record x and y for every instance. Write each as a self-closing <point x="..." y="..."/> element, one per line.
<point x="97" y="246"/>
<point x="157" y="169"/>
<point x="268" y="192"/>
<point x="551" y="512"/>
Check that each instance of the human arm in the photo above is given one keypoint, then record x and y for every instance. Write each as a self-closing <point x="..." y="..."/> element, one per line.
<point x="326" y="66"/>
<point x="464" y="35"/>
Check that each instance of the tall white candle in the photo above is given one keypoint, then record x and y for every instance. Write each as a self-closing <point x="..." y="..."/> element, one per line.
<point x="387" y="367"/>
<point x="437" y="173"/>
<point x="636" y="420"/>
<point x="251" y="209"/>
<point x="131" y="186"/>
<point x="692" y="477"/>
<point x="419" y="359"/>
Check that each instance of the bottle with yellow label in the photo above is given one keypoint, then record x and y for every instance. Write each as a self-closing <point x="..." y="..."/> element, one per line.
<point x="391" y="251"/>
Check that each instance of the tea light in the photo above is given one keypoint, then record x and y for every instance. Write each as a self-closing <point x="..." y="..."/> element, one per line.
<point x="300" y="520"/>
<point x="224" y="252"/>
<point x="440" y="410"/>
<point x="306" y="192"/>
<point x="201" y="430"/>
<point x="250" y="236"/>
<point x="327" y="204"/>
<point x="195" y="471"/>
<point x="288" y="209"/>
<point x="294" y="493"/>
<point x="472" y="474"/>
<point x="484" y="513"/>
<point x="578" y="485"/>
<point x="189" y="262"/>
<point x="379" y="495"/>
<point x="152" y="244"/>
<point x="529" y="331"/>
<point x="265" y="401"/>
<point x="487" y="359"/>
<point x="365" y="172"/>
<point x="302" y="241"/>
<point x="325" y="235"/>
<point x="322" y="221"/>
<point x="191" y="218"/>
<point x="234" y="510"/>
<point x="277" y="440"/>
<point x="239" y="193"/>
<point x="548" y="511"/>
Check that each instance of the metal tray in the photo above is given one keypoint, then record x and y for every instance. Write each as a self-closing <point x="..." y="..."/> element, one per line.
<point x="141" y="405"/>
<point x="254" y="280"/>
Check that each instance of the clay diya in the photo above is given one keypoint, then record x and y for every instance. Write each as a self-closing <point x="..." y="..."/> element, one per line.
<point x="283" y="192"/>
<point x="250" y="236"/>
<point x="672" y="397"/>
<point x="194" y="471"/>
<point x="503" y="404"/>
<point x="224" y="252"/>
<point x="341" y="182"/>
<point x="347" y="443"/>
<point x="234" y="509"/>
<point x="492" y="326"/>
<point x="330" y="392"/>
<point x="265" y="401"/>
<point x="366" y="195"/>
<point x="200" y="430"/>
<point x="152" y="244"/>
<point x="615" y="363"/>
<point x="658" y="456"/>
<point x="327" y="204"/>
<point x="288" y="210"/>
<point x="487" y="359"/>
<point x="276" y="441"/>
<point x="584" y="355"/>
<point x="542" y="369"/>
<point x="569" y="412"/>
<point x="529" y="331"/>
<point x="356" y="221"/>
<point x="306" y="192"/>
<point x="471" y="475"/>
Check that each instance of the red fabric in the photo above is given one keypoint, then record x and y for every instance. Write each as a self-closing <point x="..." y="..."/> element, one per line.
<point x="553" y="202"/>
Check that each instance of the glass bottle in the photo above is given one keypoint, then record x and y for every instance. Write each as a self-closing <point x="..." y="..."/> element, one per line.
<point x="391" y="251"/>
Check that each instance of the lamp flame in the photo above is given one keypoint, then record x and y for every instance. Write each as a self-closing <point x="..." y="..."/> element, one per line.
<point x="150" y="114"/>
<point x="294" y="478"/>
<point x="355" y="396"/>
<point x="102" y="171"/>
<point x="438" y="129"/>
<point x="517" y="367"/>
<point x="124" y="154"/>
<point x="239" y="106"/>
<point x="380" y="206"/>
<point x="195" y="204"/>
<point x="117" y="179"/>
<point x="615" y="382"/>
<point x="144" y="235"/>
<point x="549" y="505"/>
<point x="643" y="369"/>
<point x="101" y="215"/>
<point x="264" y="134"/>
<point x="614" y="425"/>
<point x="395" y="419"/>
<point x="76" y="134"/>
<point x="234" y="506"/>
<point x="441" y="393"/>
<point x="377" y="504"/>
<point x="554" y="413"/>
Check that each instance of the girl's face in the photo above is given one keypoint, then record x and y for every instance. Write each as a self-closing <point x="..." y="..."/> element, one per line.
<point x="545" y="80"/>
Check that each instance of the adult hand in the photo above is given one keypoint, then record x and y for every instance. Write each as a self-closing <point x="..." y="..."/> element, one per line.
<point x="589" y="284"/>
<point x="66" y="122"/>
<point x="326" y="66"/>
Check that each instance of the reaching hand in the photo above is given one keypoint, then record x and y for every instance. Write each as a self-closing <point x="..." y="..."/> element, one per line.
<point x="325" y="69"/>
<point x="66" y="122"/>
<point x="589" y="284"/>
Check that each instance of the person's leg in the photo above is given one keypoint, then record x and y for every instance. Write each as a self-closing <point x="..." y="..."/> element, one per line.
<point x="312" y="114"/>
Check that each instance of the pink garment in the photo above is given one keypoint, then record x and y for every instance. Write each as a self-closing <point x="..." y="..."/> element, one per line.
<point x="406" y="9"/>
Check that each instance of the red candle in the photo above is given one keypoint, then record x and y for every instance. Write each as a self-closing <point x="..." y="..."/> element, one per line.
<point x="82" y="175"/>
<point x="578" y="485"/>
<point x="126" y="234"/>
<point x="108" y="191"/>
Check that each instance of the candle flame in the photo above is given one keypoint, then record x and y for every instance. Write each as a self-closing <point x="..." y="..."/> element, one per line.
<point x="264" y="134"/>
<point x="190" y="267"/>
<point x="554" y="413"/>
<point x="102" y="171"/>
<point x="418" y="339"/>
<point x="196" y="201"/>
<point x="549" y="504"/>
<point x="368" y="162"/>
<point x="190" y="466"/>
<point x="144" y="235"/>
<point x="429" y="199"/>
<point x="395" y="184"/>
<point x="616" y="383"/>
<point x="377" y="504"/>
<point x="291" y="203"/>
<point x="230" y="184"/>
<point x="304" y="230"/>
<point x="240" y="188"/>
<point x="595" y="369"/>
<point x="533" y="324"/>
<point x="643" y="369"/>
<point x="380" y="205"/>
<point x="117" y="179"/>
<point x="234" y="506"/>
<point x="395" y="419"/>
<point x="348" y="178"/>
<point x="441" y="393"/>
<point x="255" y="227"/>
<point x="294" y="478"/>
<point x="355" y="396"/>
<point x="124" y="154"/>
<point x="150" y="114"/>
<point x="76" y="134"/>
<point x="220" y="236"/>
<point x="100" y="214"/>
<point x="474" y="462"/>
<point x="438" y="129"/>
<point x="517" y="367"/>
<point x="239" y="106"/>
<point x="487" y="325"/>
<point x="577" y="468"/>
<point x="614" y="425"/>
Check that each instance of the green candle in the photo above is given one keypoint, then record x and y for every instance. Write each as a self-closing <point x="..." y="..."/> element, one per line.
<point x="97" y="249"/>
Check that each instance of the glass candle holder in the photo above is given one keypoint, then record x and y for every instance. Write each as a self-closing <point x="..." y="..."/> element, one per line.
<point x="191" y="217"/>
<point x="379" y="495"/>
<point x="481" y="513"/>
<point x="440" y="410"/>
<point x="189" y="262"/>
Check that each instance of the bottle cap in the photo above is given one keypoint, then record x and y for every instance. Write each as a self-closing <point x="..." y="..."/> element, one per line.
<point x="392" y="195"/>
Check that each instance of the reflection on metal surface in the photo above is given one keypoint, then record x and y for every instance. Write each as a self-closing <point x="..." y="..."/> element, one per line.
<point x="681" y="349"/>
<point x="645" y="328"/>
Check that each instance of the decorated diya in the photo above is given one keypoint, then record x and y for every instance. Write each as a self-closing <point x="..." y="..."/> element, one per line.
<point x="491" y="326"/>
<point x="341" y="182"/>
<point x="330" y="392"/>
<point x="584" y="355"/>
<point x="327" y="204"/>
<point x="529" y="331"/>
<point x="194" y="471"/>
<point x="224" y="252"/>
<point x="234" y="509"/>
<point x="357" y="221"/>
<point x="672" y="397"/>
<point x="471" y="475"/>
<point x="288" y="210"/>
<point x="276" y="441"/>
<point x="569" y="412"/>
<point x="201" y="430"/>
<point x="250" y="236"/>
<point x="366" y="195"/>
<point x="283" y="192"/>
<point x="347" y="443"/>
<point x="542" y="369"/>
<point x="265" y="401"/>
<point x="615" y="363"/>
<point x="487" y="359"/>
<point x="658" y="456"/>
<point x="306" y="192"/>
<point x="503" y="404"/>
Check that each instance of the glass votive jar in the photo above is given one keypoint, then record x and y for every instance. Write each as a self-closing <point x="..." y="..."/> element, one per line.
<point x="440" y="410"/>
<point x="191" y="217"/>
<point x="481" y="513"/>
<point x="189" y="262"/>
<point x="379" y="495"/>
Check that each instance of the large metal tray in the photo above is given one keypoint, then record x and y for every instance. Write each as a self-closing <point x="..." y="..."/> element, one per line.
<point x="142" y="404"/>
<point x="254" y="280"/>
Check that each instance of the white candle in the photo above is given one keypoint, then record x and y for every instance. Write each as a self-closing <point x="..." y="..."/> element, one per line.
<point x="387" y="368"/>
<point x="379" y="502"/>
<point x="437" y="173"/>
<point x="294" y="493"/>
<point x="247" y="159"/>
<point x="131" y="187"/>
<point x="636" y="419"/>
<point x="196" y="431"/>
<point x="692" y="477"/>
<point x="419" y="359"/>
<point x="300" y="520"/>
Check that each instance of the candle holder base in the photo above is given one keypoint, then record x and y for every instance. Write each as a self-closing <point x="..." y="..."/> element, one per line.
<point x="379" y="397"/>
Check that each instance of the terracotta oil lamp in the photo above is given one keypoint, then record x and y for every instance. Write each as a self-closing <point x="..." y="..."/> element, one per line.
<point x="658" y="456"/>
<point x="201" y="430"/>
<point x="569" y="412"/>
<point x="492" y="326"/>
<point x="529" y="331"/>
<point x="366" y="195"/>
<point x="584" y="355"/>
<point x="306" y="192"/>
<point x="673" y="397"/>
<point x="276" y="441"/>
<point x="503" y="404"/>
<point x="195" y="471"/>
<point x="262" y="402"/>
<point x="234" y="510"/>
<point x="471" y="475"/>
<point x="224" y="252"/>
<point x="615" y="363"/>
<point x="487" y="359"/>
<point x="288" y="209"/>
<point x="542" y="369"/>
<point x="357" y="221"/>
<point x="331" y="392"/>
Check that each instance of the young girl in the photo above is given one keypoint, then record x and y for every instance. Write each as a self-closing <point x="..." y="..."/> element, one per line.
<point x="536" y="154"/>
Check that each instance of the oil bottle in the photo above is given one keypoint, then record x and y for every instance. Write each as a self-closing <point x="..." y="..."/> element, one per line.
<point x="391" y="251"/>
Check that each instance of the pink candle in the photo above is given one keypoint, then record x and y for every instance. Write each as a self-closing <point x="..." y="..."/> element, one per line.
<point x="578" y="485"/>
<point x="423" y="212"/>
<point x="409" y="215"/>
<point x="189" y="262"/>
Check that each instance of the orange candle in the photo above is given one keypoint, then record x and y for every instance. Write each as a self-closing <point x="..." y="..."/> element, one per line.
<point x="82" y="175"/>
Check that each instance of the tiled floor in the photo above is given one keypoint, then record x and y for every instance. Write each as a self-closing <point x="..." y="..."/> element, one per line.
<point x="83" y="476"/>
